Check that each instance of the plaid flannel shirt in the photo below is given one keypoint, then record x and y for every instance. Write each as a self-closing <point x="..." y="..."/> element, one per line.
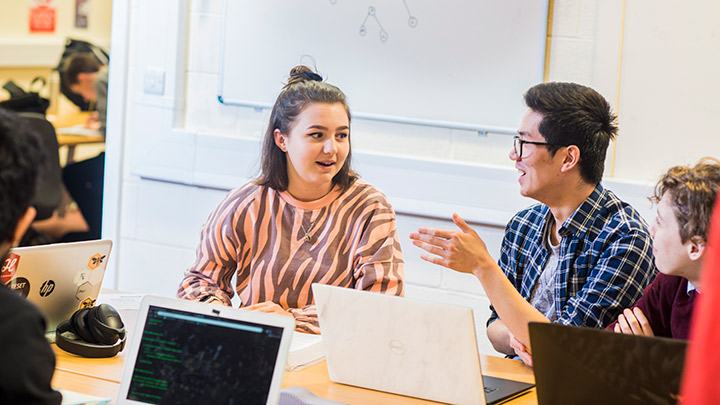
<point x="605" y="258"/>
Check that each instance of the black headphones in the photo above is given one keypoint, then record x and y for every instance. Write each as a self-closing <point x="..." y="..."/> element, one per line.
<point x="99" y="332"/>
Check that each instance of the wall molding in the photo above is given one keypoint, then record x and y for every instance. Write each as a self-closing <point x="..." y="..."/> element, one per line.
<point x="481" y="194"/>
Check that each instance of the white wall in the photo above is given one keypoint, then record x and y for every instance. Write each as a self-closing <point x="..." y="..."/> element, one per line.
<point x="197" y="147"/>
<point x="20" y="47"/>
<point x="26" y="55"/>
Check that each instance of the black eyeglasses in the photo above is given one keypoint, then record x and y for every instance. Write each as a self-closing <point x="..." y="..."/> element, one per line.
<point x="518" y="145"/>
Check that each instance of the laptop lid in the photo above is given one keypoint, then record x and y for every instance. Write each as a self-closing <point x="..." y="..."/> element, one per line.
<point x="575" y="365"/>
<point x="190" y="352"/>
<point x="404" y="346"/>
<point x="60" y="278"/>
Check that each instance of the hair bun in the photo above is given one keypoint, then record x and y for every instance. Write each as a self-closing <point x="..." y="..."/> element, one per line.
<point x="302" y="73"/>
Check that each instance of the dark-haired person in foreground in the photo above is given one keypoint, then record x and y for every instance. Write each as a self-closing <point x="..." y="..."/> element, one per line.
<point x="27" y="362"/>
<point x="306" y="219"/>
<point x="580" y="256"/>
<point x="686" y="197"/>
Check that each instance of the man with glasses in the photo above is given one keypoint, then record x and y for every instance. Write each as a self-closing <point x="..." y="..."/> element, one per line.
<point x="580" y="256"/>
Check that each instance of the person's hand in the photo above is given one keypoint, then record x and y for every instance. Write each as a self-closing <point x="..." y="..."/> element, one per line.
<point x="462" y="250"/>
<point x="521" y="350"/>
<point x="268" y="307"/>
<point x="92" y="121"/>
<point x="633" y="322"/>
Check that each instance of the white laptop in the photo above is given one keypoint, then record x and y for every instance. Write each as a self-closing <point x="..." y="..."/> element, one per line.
<point x="409" y="347"/>
<point x="187" y="352"/>
<point x="60" y="278"/>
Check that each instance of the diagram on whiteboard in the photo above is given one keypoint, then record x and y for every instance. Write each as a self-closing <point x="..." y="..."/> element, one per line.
<point x="412" y="21"/>
<point x="372" y="14"/>
<point x="379" y="51"/>
<point x="363" y="30"/>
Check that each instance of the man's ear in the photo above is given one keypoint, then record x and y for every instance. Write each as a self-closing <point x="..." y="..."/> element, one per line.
<point x="23" y="224"/>
<point x="696" y="248"/>
<point x="571" y="158"/>
<point x="280" y="140"/>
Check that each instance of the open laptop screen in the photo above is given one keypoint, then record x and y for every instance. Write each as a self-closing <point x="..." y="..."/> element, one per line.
<point x="186" y="357"/>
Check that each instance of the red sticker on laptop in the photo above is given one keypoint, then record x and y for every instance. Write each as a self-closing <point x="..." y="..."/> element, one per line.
<point x="9" y="267"/>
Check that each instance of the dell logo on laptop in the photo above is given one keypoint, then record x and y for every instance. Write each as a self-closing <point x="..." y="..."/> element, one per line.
<point x="47" y="288"/>
<point x="397" y="347"/>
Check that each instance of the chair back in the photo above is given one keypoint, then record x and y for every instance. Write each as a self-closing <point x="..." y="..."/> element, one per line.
<point x="48" y="190"/>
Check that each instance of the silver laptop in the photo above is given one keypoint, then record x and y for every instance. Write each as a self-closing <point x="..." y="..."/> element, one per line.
<point x="409" y="347"/>
<point x="187" y="352"/>
<point x="60" y="278"/>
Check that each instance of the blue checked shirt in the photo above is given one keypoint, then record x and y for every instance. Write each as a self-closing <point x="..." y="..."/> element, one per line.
<point x="605" y="259"/>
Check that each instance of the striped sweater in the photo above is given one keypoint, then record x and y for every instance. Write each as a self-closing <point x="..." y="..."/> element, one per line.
<point x="278" y="246"/>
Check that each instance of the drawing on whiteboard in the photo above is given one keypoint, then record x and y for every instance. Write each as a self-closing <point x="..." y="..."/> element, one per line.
<point x="412" y="21"/>
<point x="363" y="30"/>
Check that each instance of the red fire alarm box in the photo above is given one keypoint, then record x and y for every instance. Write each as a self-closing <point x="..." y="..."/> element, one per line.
<point x="42" y="16"/>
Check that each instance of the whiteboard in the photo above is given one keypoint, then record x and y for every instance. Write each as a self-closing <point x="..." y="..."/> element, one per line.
<point x="456" y="63"/>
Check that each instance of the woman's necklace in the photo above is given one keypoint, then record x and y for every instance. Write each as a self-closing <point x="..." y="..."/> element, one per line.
<point x="307" y="236"/>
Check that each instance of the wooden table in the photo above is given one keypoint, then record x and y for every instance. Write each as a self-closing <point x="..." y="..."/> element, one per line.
<point x="101" y="377"/>
<point x="72" y="140"/>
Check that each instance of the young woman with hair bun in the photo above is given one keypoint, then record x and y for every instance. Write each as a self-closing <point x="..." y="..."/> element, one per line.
<point x="306" y="219"/>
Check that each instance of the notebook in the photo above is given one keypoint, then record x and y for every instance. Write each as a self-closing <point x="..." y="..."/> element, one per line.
<point x="59" y="278"/>
<point x="575" y="365"/>
<point x="409" y="347"/>
<point x="196" y="353"/>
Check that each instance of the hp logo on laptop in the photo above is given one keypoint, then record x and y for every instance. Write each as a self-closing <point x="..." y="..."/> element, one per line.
<point x="47" y="288"/>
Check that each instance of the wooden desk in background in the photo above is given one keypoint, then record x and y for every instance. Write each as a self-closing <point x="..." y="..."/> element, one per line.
<point x="69" y="139"/>
<point x="101" y="377"/>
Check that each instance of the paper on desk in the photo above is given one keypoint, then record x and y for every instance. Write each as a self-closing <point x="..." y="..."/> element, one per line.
<point x="76" y="398"/>
<point x="120" y="301"/>
<point x="305" y="350"/>
<point x="78" y="130"/>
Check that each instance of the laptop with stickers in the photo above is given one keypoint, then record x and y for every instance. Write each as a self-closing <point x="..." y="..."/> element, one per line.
<point x="192" y="353"/>
<point x="410" y="347"/>
<point x="59" y="278"/>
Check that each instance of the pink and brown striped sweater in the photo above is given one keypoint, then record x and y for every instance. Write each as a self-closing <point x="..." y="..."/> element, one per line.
<point x="259" y="235"/>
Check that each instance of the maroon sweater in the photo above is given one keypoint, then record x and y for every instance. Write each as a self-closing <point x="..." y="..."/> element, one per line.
<point x="667" y="306"/>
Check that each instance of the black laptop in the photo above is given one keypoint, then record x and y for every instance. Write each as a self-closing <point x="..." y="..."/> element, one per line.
<point x="575" y="365"/>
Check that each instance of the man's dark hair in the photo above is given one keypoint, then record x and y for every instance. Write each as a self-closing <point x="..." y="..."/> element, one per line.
<point x="19" y="161"/>
<point x="76" y="64"/>
<point x="575" y="115"/>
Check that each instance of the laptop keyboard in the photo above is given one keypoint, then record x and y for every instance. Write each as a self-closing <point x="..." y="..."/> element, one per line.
<point x="489" y="390"/>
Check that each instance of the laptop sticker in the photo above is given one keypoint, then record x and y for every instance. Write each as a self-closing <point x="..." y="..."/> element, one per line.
<point x="9" y="267"/>
<point x="83" y="290"/>
<point x="81" y="277"/>
<point x="47" y="287"/>
<point x="87" y="303"/>
<point x="21" y="285"/>
<point x="95" y="261"/>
